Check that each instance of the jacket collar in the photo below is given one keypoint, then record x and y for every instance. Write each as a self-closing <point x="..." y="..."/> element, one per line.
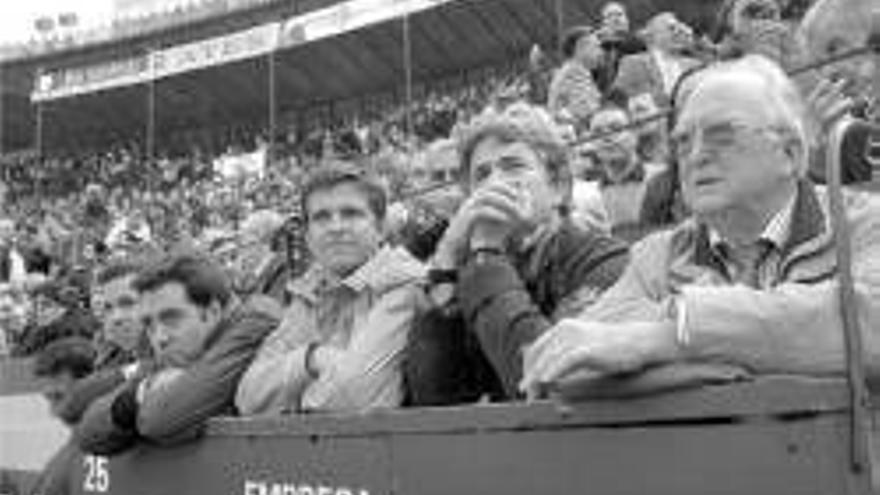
<point x="389" y="267"/>
<point x="808" y="221"/>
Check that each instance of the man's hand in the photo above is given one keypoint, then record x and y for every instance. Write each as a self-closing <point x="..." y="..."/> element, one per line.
<point x="574" y="346"/>
<point x="502" y="209"/>
<point x="828" y="102"/>
<point x="487" y="218"/>
<point x="158" y="382"/>
<point x="325" y="358"/>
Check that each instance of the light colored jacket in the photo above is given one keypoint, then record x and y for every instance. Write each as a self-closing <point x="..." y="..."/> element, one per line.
<point x="793" y="326"/>
<point x="574" y="91"/>
<point x="640" y="74"/>
<point x="368" y="318"/>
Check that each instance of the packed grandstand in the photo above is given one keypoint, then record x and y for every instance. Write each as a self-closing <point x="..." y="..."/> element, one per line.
<point x="136" y="126"/>
<point x="194" y="129"/>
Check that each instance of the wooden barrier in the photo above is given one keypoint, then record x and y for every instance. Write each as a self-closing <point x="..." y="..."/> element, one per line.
<point x="777" y="436"/>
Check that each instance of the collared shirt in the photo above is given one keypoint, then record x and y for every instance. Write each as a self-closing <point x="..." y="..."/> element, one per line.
<point x="364" y="317"/>
<point x="764" y="259"/>
<point x="670" y="69"/>
<point x="759" y="269"/>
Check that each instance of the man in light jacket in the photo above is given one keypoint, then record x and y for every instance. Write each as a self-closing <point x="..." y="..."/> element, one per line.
<point x="341" y="340"/>
<point x="752" y="278"/>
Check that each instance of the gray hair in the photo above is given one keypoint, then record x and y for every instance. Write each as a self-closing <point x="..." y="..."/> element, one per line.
<point x="784" y="99"/>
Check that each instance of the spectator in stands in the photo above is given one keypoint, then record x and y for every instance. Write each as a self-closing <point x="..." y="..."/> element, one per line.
<point x="736" y="16"/>
<point x="509" y="264"/>
<point x="652" y="136"/>
<point x="751" y="279"/>
<point x="12" y="265"/>
<point x="34" y="251"/>
<point x="14" y="306"/>
<point x="655" y="71"/>
<point x="538" y="75"/>
<point x="832" y="27"/>
<point x="202" y="339"/>
<point x="828" y="29"/>
<point x="59" y="366"/>
<point x="60" y="307"/>
<point x="617" y="41"/>
<point x="341" y="340"/>
<point x="121" y="354"/>
<point x="260" y="267"/>
<point x="114" y="302"/>
<point x="623" y="174"/>
<point x="129" y="234"/>
<point x="756" y="27"/>
<point x="418" y="222"/>
<point x="573" y="94"/>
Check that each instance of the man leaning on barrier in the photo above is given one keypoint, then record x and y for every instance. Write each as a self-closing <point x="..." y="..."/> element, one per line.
<point x="122" y="350"/>
<point x="59" y="367"/>
<point x="750" y="279"/>
<point x="510" y="262"/>
<point x="203" y="339"/>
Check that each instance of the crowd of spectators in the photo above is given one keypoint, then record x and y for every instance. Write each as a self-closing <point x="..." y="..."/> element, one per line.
<point x="72" y="209"/>
<point x="580" y="241"/>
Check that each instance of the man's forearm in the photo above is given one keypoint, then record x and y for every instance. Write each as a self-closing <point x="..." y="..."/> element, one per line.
<point x="499" y="309"/>
<point x="794" y="328"/>
<point x="272" y="384"/>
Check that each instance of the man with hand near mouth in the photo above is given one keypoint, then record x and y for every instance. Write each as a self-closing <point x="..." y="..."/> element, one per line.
<point x="509" y="264"/>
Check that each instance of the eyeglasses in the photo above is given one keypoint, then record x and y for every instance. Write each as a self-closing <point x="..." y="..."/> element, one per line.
<point x="714" y="138"/>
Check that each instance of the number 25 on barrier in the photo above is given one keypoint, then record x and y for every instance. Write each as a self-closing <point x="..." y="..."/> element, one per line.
<point x="97" y="478"/>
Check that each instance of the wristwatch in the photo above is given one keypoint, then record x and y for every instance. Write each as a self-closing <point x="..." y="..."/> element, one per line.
<point x="482" y="254"/>
<point x="440" y="287"/>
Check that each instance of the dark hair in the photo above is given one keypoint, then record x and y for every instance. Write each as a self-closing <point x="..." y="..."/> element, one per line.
<point x="330" y="175"/>
<point x="74" y="355"/>
<point x="571" y="37"/>
<point x="203" y="280"/>
<point x="117" y="269"/>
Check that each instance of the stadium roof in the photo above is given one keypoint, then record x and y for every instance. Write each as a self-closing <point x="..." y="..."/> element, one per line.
<point x="444" y="41"/>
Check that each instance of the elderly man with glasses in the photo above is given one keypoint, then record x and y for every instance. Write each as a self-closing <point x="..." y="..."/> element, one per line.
<point x="751" y="279"/>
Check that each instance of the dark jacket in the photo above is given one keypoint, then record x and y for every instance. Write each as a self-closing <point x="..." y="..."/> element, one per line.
<point x="74" y="322"/>
<point x="458" y="354"/>
<point x="614" y="47"/>
<point x="179" y="411"/>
